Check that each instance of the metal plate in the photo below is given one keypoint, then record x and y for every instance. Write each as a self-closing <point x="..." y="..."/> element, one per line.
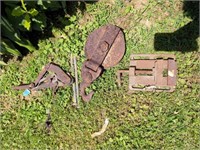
<point x="117" y="48"/>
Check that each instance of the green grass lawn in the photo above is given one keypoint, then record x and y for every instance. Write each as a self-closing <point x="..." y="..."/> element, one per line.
<point x="144" y="120"/>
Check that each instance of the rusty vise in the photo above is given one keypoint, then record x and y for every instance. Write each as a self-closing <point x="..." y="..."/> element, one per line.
<point x="151" y="72"/>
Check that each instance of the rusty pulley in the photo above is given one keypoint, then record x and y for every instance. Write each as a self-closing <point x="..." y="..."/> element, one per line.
<point x="104" y="48"/>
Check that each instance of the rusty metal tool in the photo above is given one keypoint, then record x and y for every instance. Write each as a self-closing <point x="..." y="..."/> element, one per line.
<point x="151" y="72"/>
<point x="56" y="78"/>
<point x="104" y="48"/>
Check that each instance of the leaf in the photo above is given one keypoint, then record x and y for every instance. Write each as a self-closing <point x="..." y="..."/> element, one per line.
<point x="26" y="22"/>
<point x="7" y="29"/>
<point x="7" y="46"/>
<point x="128" y="9"/>
<point x="23" y="5"/>
<point x="51" y="5"/>
<point x="63" y="4"/>
<point x="15" y="38"/>
<point x="10" y="33"/>
<point x="17" y="11"/>
<point x="24" y="43"/>
<point x="2" y="63"/>
<point x="39" y="22"/>
<point x="33" y="12"/>
<point x="27" y="45"/>
<point x="73" y="18"/>
<point x="13" y="20"/>
<point x="6" y="24"/>
<point x="39" y="2"/>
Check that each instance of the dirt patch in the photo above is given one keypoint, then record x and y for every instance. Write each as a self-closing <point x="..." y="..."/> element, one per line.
<point x="139" y="4"/>
<point x="124" y="21"/>
<point x="108" y="1"/>
<point x="85" y="19"/>
<point x="146" y="23"/>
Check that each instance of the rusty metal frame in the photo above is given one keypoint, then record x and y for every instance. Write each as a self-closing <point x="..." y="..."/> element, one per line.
<point x="151" y="72"/>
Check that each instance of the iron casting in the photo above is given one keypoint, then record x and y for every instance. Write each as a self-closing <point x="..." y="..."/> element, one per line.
<point x="151" y="72"/>
<point x="104" y="48"/>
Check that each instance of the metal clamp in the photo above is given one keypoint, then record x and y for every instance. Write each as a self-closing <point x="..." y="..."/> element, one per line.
<point x="151" y="72"/>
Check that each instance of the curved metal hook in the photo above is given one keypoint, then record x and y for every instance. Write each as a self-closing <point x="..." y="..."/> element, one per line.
<point x="88" y="76"/>
<point x="85" y="97"/>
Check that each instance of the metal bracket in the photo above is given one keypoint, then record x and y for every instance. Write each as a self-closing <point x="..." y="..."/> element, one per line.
<point x="56" y="79"/>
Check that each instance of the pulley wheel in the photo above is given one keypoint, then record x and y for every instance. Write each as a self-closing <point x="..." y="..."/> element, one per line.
<point x="116" y="50"/>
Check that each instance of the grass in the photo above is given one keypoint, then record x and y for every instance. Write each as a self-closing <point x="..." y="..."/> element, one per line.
<point x="144" y="120"/>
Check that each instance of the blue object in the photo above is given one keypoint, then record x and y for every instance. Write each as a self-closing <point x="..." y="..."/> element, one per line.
<point x="26" y="92"/>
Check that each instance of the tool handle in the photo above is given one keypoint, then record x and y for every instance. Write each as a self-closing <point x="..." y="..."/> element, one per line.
<point x="25" y="86"/>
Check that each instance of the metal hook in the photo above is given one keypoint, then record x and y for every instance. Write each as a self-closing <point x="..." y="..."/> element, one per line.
<point x="88" y="77"/>
<point x="85" y="97"/>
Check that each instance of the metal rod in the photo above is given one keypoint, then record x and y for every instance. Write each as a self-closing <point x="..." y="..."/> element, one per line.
<point x="73" y="85"/>
<point x="76" y="81"/>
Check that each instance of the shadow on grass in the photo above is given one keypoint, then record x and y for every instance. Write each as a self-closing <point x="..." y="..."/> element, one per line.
<point x="55" y="18"/>
<point x="185" y="38"/>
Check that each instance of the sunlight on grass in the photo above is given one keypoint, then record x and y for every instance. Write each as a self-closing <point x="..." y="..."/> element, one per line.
<point x="143" y="120"/>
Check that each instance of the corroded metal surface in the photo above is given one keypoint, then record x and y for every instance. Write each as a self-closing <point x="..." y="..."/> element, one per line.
<point x="56" y="79"/>
<point x="151" y="72"/>
<point x="104" y="48"/>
